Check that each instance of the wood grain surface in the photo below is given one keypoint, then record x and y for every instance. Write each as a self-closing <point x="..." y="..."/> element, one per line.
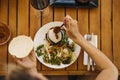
<point x="103" y="21"/>
<point x="3" y="48"/>
<point x="116" y="33"/>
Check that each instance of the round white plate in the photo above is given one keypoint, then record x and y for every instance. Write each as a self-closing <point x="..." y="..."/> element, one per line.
<point x="39" y="39"/>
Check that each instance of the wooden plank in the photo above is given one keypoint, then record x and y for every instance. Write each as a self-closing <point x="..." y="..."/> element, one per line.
<point x="57" y="77"/>
<point x="3" y="73"/>
<point x="55" y="73"/>
<point x="73" y="14"/>
<point x="93" y="77"/>
<point x="23" y="19"/>
<point x="3" y="48"/>
<point x="35" y="23"/>
<point x="94" y="22"/>
<point x="46" y="18"/>
<point x="59" y="14"/>
<point x="83" y="28"/>
<point x="116" y="32"/>
<point x="12" y="24"/>
<point x="106" y="28"/>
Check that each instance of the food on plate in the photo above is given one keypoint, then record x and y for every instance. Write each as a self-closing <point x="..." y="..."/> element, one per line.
<point x="4" y="33"/>
<point x="58" y="49"/>
<point x="21" y="46"/>
<point x="56" y="36"/>
<point x="56" y="55"/>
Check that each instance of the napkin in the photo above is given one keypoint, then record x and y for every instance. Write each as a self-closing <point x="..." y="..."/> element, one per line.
<point x="94" y="42"/>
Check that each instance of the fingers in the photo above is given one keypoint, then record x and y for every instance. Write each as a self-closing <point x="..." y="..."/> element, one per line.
<point x="67" y="33"/>
<point x="68" y="21"/>
<point x="69" y="17"/>
<point x="32" y="55"/>
<point x="15" y="58"/>
<point x="18" y="61"/>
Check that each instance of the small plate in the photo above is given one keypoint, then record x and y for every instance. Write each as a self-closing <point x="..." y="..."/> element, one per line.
<point x="39" y="39"/>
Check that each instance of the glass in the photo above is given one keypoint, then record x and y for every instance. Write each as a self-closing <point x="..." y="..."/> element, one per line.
<point x="41" y="5"/>
<point x="4" y="33"/>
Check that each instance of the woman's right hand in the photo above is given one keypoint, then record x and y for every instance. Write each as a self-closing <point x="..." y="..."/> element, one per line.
<point x="72" y="30"/>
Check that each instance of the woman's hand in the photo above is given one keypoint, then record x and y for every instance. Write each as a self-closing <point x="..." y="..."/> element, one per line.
<point x="72" y="30"/>
<point x="28" y="62"/>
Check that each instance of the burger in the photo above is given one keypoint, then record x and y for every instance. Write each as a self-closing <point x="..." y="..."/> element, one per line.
<point x="56" y="36"/>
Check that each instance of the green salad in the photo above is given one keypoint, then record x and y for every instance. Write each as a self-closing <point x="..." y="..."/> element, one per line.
<point x="57" y="55"/>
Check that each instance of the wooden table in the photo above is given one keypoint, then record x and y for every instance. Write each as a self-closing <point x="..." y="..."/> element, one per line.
<point x="103" y="21"/>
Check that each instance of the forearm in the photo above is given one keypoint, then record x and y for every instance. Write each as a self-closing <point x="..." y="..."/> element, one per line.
<point x="100" y="59"/>
<point x="109" y="71"/>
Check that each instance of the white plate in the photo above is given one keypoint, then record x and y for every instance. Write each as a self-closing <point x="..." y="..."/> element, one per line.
<point x="39" y="39"/>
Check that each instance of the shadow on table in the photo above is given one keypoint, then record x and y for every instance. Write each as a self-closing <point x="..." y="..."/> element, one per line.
<point x="2" y="78"/>
<point x="66" y="77"/>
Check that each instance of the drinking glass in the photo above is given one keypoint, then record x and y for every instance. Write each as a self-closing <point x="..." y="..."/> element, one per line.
<point x="41" y="5"/>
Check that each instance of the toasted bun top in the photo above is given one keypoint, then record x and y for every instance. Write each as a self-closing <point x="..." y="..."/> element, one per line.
<point x="52" y="36"/>
<point x="21" y="46"/>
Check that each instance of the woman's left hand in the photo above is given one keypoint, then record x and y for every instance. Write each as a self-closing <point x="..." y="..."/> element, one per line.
<point x="28" y="62"/>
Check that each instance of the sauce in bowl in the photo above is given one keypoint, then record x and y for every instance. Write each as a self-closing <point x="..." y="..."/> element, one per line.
<point x="56" y="31"/>
<point x="4" y="34"/>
